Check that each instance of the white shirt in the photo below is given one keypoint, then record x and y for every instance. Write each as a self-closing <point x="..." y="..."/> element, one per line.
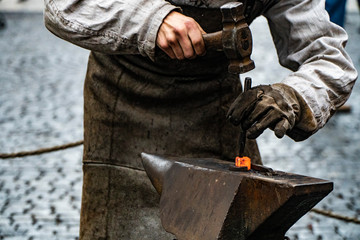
<point x="305" y="39"/>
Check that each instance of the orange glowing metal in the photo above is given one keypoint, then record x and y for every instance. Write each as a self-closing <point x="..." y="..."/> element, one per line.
<point x="243" y="162"/>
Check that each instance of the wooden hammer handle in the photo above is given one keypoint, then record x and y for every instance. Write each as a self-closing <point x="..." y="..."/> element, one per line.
<point x="213" y="41"/>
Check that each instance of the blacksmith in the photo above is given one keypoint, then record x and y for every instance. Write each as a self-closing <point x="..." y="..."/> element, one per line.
<point x="151" y="86"/>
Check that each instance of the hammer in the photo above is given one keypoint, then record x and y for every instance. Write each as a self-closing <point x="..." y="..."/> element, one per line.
<point x="235" y="39"/>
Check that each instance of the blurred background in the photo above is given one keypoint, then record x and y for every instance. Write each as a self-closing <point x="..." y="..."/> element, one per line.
<point x="41" y="87"/>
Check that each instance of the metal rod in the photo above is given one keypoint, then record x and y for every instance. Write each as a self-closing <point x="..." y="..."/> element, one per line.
<point x="242" y="139"/>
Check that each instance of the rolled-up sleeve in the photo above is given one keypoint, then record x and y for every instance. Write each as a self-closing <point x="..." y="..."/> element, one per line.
<point x="109" y="26"/>
<point x="314" y="48"/>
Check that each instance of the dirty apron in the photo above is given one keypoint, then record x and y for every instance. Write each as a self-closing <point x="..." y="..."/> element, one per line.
<point x="135" y="105"/>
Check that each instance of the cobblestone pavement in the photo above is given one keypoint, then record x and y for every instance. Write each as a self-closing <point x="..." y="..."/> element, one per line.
<point x="41" y="80"/>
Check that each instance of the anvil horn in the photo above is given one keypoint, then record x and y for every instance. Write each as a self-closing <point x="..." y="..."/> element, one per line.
<point x="156" y="167"/>
<point x="202" y="199"/>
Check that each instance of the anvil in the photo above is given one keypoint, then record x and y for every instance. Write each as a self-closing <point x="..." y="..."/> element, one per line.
<point x="201" y="198"/>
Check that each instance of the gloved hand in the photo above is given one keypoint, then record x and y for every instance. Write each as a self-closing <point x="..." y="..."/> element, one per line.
<point x="278" y="107"/>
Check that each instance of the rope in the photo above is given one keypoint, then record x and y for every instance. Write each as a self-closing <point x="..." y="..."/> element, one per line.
<point x="78" y="143"/>
<point x="41" y="150"/>
<point x="336" y="216"/>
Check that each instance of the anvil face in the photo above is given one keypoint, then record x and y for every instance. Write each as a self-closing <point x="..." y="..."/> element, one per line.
<point x="203" y="199"/>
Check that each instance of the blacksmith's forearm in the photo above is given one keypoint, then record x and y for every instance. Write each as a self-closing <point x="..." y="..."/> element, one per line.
<point x="109" y="26"/>
<point x="309" y="44"/>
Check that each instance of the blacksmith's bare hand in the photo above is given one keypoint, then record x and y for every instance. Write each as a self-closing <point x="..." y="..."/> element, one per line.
<point x="180" y="37"/>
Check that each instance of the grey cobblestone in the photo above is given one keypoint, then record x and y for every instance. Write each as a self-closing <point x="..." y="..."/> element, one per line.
<point x="41" y="105"/>
<point x="41" y="82"/>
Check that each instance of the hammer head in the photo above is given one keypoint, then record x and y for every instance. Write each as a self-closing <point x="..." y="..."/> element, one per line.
<point x="202" y="199"/>
<point x="236" y="38"/>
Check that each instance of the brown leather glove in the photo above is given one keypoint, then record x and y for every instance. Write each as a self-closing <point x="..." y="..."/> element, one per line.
<point x="278" y="107"/>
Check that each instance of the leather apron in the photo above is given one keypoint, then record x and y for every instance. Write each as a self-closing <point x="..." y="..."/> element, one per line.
<point x="165" y="107"/>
